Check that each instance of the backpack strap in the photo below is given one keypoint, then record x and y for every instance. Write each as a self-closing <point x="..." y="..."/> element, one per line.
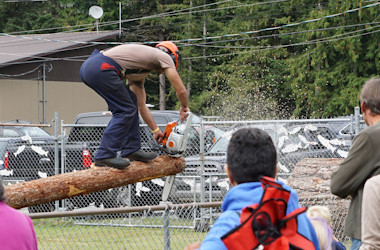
<point x="289" y="230"/>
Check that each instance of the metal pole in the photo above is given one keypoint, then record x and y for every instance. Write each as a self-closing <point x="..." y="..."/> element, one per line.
<point x="39" y="97"/>
<point x="56" y="151"/>
<point x="204" y="48"/>
<point x="201" y="154"/>
<point x="357" y="120"/>
<point x="119" y="19"/>
<point x="62" y="153"/>
<point x="166" y="229"/>
<point x="121" y="210"/>
<point x="129" y="201"/>
<point x="210" y="198"/>
<point x="43" y="93"/>
<point x="195" y="201"/>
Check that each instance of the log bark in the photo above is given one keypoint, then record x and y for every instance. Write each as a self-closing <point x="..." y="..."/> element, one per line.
<point x="91" y="180"/>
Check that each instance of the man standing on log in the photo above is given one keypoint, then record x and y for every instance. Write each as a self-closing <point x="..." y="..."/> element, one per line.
<point x="104" y="72"/>
<point x="362" y="162"/>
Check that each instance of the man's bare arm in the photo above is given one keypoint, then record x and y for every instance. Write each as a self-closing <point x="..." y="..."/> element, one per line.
<point x="176" y="82"/>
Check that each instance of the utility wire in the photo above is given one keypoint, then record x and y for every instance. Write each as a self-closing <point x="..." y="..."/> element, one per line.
<point x="206" y="44"/>
<point x="166" y="14"/>
<point x="262" y="48"/>
<point x="186" y="22"/>
<point x="127" y="20"/>
<point x="22" y="74"/>
<point x="213" y="37"/>
<point x="104" y="24"/>
<point x="176" y="13"/>
<point x="39" y="58"/>
<point x="256" y="49"/>
<point x="277" y="27"/>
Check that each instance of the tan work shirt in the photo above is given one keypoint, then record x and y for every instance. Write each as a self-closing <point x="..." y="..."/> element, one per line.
<point x="136" y="56"/>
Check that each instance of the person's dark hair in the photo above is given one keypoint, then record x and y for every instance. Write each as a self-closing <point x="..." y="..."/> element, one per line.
<point x="370" y="95"/>
<point x="2" y="196"/>
<point x="251" y="154"/>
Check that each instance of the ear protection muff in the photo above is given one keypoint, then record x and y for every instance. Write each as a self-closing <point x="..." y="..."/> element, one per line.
<point x="176" y="58"/>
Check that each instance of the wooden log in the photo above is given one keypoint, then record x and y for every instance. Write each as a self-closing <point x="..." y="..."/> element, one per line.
<point x="91" y="180"/>
<point x="311" y="176"/>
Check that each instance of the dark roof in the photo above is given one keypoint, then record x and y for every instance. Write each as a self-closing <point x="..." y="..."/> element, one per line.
<point x="16" y="48"/>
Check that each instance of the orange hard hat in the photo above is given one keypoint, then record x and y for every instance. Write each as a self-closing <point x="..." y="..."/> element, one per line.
<point x="174" y="51"/>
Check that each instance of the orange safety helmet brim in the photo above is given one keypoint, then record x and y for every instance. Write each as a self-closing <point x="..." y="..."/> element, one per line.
<point x="172" y="48"/>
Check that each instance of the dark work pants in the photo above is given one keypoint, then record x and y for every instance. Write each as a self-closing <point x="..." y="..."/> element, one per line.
<point x="101" y="73"/>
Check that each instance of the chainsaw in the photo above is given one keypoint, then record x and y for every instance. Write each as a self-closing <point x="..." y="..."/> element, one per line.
<point x="174" y="144"/>
<point x="176" y="133"/>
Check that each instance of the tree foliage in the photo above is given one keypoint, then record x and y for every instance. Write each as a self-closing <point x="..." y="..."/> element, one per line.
<point x="241" y="59"/>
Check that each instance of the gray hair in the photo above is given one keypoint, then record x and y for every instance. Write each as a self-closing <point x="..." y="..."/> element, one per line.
<point x="2" y="196"/>
<point x="370" y="95"/>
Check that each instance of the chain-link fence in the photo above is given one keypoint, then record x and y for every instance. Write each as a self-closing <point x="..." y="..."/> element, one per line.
<point x="203" y="180"/>
<point x="156" y="227"/>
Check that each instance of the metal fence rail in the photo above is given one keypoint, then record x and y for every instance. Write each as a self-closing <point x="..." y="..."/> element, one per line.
<point x="154" y="227"/>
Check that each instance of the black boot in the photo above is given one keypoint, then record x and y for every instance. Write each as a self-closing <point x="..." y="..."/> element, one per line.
<point x="140" y="155"/>
<point x="118" y="163"/>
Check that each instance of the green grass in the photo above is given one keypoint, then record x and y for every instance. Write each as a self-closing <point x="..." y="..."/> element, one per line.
<point x="66" y="234"/>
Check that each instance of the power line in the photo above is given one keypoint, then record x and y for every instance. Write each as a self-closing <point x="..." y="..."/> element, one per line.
<point x="40" y="58"/>
<point x="262" y="48"/>
<point x="206" y="44"/>
<point x="212" y="37"/>
<point x="21" y="74"/>
<point x="166" y="14"/>
<point x="127" y="20"/>
<point x="229" y="7"/>
<point x="176" y="13"/>
<point x="278" y="27"/>
<point x="185" y="22"/>
<point x="256" y="49"/>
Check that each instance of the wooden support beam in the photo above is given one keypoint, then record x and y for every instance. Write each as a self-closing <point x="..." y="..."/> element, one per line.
<point x="91" y="180"/>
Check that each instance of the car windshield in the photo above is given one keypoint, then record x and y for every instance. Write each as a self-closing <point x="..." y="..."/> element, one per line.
<point x="3" y="145"/>
<point x="34" y="131"/>
<point x="221" y="145"/>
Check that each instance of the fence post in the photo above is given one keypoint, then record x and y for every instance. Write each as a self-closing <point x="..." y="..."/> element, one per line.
<point x="63" y="156"/>
<point x="202" y="165"/>
<point x="166" y="225"/>
<point x="357" y="120"/>
<point x="56" y="151"/>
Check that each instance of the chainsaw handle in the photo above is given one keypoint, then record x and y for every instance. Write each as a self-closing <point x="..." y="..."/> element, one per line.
<point x="179" y="121"/>
<point x="184" y="113"/>
<point x="158" y="136"/>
